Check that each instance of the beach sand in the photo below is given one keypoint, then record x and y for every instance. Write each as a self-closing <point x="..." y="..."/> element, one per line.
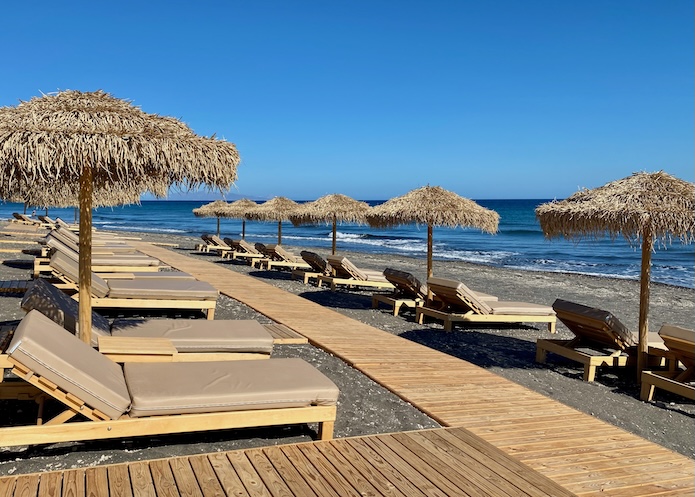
<point x="366" y="407"/>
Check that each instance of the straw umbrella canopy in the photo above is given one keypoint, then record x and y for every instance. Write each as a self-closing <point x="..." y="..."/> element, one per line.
<point x="276" y="209"/>
<point x="333" y="208"/>
<point x="238" y="210"/>
<point x="92" y="140"/>
<point x="213" y="209"/>
<point x="433" y="206"/>
<point x="645" y="208"/>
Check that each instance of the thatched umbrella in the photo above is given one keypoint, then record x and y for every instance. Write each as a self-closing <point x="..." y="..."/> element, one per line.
<point x="276" y="209"/>
<point x="333" y="209"/>
<point x="645" y="208"/>
<point x="82" y="140"/>
<point x="238" y="210"/>
<point x="433" y="206"/>
<point x="213" y="209"/>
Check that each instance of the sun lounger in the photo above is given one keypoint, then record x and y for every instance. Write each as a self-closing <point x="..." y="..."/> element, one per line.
<point x="457" y="303"/>
<point x="346" y="273"/>
<point x="155" y="340"/>
<point x="242" y="249"/>
<point x="206" y="245"/>
<point x="600" y="339"/>
<point x="318" y="266"/>
<point x="49" y="221"/>
<point x="680" y="343"/>
<point x="278" y="257"/>
<point x="145" y="399"/>
<point x="150" y="293"/>
<point x="410" y="292"/>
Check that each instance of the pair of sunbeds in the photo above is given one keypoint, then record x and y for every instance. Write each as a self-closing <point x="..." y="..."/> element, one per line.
<point x="275" y="256"/>
<point x="145" y="398"/>
<point x="345" y="273"/>
<point x="602" y="340"/>
<point x="162" y="290"/>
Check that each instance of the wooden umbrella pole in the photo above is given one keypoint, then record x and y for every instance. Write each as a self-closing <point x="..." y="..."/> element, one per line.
<point x="333" y="247"/>
<point x="243" y="229"/>
<point x="279" y="232"/>
<point x="218" y="226"/>
<point x="85" y="256"/>
<point x="645" y="276"/>
<point x="429" y="259"/>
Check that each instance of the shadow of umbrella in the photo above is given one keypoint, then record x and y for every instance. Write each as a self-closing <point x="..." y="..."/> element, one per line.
<point x="644" y="208"/>
<point x="82" y="140"/>
<point x="331" y="209"/>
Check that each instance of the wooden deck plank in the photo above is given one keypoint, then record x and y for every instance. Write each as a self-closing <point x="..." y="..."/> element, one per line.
<point x="206" y="476"/>
<point x="163" y="479"/>
<point x="119" y="481"/>
<point x="184" y="477"/>
<point x="226" y="475"/>
<point x="51" y="485"/>
<point x="97" y="481"/>
<point x="141" y="480"/>
<point x="247" y="474"/>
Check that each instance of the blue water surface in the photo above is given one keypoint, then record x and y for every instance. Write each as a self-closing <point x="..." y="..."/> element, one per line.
<point x="518" y="244"/>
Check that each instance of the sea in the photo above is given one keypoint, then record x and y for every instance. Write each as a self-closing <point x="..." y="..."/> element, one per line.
<point x="519" y="244"/>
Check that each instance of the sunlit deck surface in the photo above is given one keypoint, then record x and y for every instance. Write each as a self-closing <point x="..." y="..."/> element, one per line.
<point x="501" y="434"/>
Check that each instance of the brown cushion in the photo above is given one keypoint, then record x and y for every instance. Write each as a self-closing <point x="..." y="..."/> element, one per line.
<point x="174" y="289"/>
<point x="594" y="325"/>
<point x="317" y="263"/>
<point x="406" y="284"/>
<point x="60" y="308"/>
<point x="75" y="367"/>
<point x="195" y="387"/>
<point x="200" y="335"/>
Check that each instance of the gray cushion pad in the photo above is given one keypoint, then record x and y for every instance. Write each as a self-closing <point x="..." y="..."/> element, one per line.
<point x="167" y="388"/>
<point x="200" y="335"/>
<point x="174" y="289"/>
<point x="75" y="367"/>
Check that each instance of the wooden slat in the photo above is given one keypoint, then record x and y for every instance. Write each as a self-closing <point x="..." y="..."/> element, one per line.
<point x="283" y="335"/>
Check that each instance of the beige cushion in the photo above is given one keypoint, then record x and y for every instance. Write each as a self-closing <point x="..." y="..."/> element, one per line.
<point x="285" y="255"/>
<point x="244" y="245"/>
<point x="678" y="332"/>
<point x="177" y="388"/>
<point x="68" y="267"/>
<point x="200" y="335"/>
<point x="456" y="294"/>
<point x="52" y="352"/>
<point x="344" y="268"/>
<point x="520" y="308"/>
<point x="145" y="275"/>
<point x="172" y="289"/>
<point x="60" y="308"/>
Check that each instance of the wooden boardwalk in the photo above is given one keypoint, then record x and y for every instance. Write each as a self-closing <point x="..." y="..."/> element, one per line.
<point x="583" y="454"/>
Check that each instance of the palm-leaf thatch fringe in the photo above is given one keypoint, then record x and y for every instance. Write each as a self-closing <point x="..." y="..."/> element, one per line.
<point x="433" y="206"/>
<point x="218" y="208"/>
<point x="276" y="209"/>
<point x="332" y="209"/>
<point x="656" y="203"/>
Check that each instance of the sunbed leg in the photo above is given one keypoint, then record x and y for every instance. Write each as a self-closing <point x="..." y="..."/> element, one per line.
<point x="551" y="327"/>
<point x="419" y="316"/>
<point x="541" y="354"/>
<point x="448" y="324"/>
<point x="396" y="308"/>
<point x="589" y="372"/>
<point x="647" y="390"/>
<point x="211" y="314"/>
<point x="326" y="430"/>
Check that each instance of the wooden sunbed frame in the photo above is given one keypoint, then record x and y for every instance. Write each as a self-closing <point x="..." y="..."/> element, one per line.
<point x="43" y="265"/>
<point x="334" y="281"/>
<point x="396" y="302"/>
<point x="206" y="306"/>
<point x="674" y="380"/>
<point x="305" y="276"/>
<point x="100" y="426"/>
<point x="449" y="318"/>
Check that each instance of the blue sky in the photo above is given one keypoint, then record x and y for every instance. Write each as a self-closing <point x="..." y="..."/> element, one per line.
<point x="372" y="98"/>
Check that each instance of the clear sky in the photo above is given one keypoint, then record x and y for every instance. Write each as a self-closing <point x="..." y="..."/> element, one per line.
<point x="372" y="98"/>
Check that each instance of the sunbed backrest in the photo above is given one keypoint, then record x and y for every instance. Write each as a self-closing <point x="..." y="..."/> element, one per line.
<point x="406" y="284"/>
<point x="317" y="263"/>
<point x="218" y="241"/>
<point x="60" y="308"/>
<point x="456" y="294"/>
<point x="70" y="269"/>
<point x="283" y="254"/>
<point x="345" y="269"/>
<point x="52" y="352"/>
<point x="593" y="325"/>
<point x="69" y="234"/>
<point x="244" y="245"/>
<point x="61" y="236"/>
<point x="679" y="340"/>
<point x="261" y="248"/>
<point x="62" y="223"/>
